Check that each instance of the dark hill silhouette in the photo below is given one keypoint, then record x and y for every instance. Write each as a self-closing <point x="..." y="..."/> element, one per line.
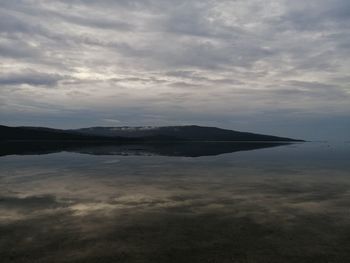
<point x="189" y="133"/>
<point x="190" y="141"/>
<point x="47" y="134"/>
<point x="135" y="134"/>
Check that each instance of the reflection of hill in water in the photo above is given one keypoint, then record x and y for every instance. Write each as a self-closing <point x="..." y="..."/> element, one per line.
<point x="184" y="149"/>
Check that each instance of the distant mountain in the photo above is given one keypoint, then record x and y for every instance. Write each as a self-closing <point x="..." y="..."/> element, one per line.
<point x="39" y="133"/>
<point x="135" y="134"/>
<point x="187" y="133"/>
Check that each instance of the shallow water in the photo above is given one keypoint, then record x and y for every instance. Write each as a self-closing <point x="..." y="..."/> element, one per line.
<point x="289" y="203"/>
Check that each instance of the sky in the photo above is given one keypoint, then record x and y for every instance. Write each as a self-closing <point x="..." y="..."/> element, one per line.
<point x="269" y="66"/>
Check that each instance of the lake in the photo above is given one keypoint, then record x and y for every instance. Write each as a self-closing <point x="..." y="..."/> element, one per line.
<point x="193" y="203"/>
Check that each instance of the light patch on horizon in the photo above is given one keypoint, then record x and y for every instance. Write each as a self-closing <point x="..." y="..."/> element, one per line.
<point x="271" y="66"/>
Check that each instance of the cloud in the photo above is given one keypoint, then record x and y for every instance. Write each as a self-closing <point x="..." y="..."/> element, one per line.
<point x="30" y="78"/>
<point x="230" y="58"/>
<point x="112" y="121"/>
<point x="315" y="15"/>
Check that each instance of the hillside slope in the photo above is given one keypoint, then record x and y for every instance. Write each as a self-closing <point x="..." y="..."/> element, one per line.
<point x="38" y="133"/>
<point x="136" y="134"/>
<point x="191" y="133"/>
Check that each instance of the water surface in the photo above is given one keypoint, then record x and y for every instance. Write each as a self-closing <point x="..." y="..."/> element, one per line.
<point x="287" y="203"/>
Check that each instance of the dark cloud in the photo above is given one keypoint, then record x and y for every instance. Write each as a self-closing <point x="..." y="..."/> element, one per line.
<point x="18" y="50"/>
<point x="316" y="15"/>
<point x="30" y="78"/>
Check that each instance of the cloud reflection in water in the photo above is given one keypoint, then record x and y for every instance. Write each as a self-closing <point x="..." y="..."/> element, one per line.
<point x="163" y="209"/>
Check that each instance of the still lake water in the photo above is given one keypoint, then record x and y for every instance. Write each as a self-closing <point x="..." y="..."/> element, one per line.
<point x="289" y="203"/>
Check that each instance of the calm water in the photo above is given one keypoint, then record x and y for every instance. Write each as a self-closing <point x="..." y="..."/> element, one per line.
<point x="289" y="203"/>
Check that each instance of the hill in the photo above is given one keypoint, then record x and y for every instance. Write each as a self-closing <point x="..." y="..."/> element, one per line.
<point x="187" y="133"/>
<point x="39" y="133"/>
<point x="136" y="134"/>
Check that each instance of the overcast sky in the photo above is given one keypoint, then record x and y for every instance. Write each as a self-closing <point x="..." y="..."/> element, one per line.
<point x="271" y="66"/>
